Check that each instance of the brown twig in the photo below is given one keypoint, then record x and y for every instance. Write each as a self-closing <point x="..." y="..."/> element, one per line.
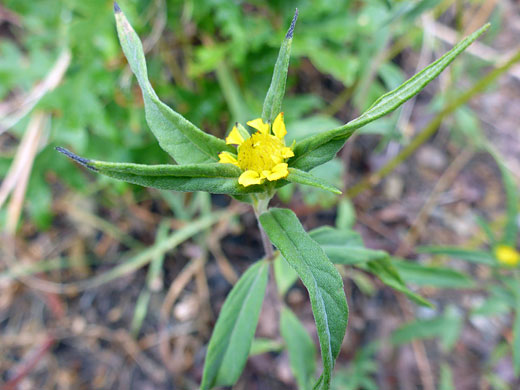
<point x="423" y="364"/>
<point x="25" y="367"/>
<point x="449" y="175"/>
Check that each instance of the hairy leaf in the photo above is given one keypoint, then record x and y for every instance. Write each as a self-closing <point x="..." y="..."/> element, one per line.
<point x="302" y="177"/>
<point x="184" y="141"/>
<point x="214" y="178"/>
<point x="320" y="277"/>
<point x="235" y="328"/>
<point x="274" y="97"/>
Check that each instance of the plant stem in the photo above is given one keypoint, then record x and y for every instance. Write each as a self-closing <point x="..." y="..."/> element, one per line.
<point x="260" y="206"/>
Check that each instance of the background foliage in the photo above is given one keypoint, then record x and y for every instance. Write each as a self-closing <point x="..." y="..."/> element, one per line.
<point x="212" y="61"/>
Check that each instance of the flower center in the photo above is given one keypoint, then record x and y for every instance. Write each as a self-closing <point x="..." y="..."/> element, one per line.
<point x="260" y="152"/>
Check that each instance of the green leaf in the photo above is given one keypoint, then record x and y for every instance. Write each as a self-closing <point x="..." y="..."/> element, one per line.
<point x="346" y="214"/>
<point x="284" y="274"/>
<point x="235" y="328"/>
<point x="321" y="148"/>
<point x="511" y="228"/>
<point x="274" y="97"/>
<point x="446" y="378"/>
<point x="185" y="142"/>
<point x="344" y="246"/>
<point x="215" y="178"/>
<point x="260" y="346"/>
<point x="422" y="275"/>
<point x="515" y="287"/>
<point x="473" y="256"/>
<point x="300" y="347"/>
<point x="302" y="177"/>
<point x="447" y="327"/>
<point x="320" y="277"/>
<point x="389" y="275"/>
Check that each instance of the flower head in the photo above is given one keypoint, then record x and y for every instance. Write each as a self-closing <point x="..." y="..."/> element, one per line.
<point x="507" y="255"/>
<point x="262" y="155"/>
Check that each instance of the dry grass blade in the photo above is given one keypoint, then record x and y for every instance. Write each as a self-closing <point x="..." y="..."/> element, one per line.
<point x="132" y="263"/>
<point x="22" y="170"/>
<point x="11" y="112"/>
<point x="477" y="49"/>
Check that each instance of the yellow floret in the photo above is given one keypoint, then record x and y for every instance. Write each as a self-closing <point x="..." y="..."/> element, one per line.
<point x="507" y="255"/>
<point x="261" y="156"/>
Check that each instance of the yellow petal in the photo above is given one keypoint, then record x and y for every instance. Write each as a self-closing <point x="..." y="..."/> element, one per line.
<point x="259" y="124"/>
<point x="507" y="255"/>
<point x="279" y="171"/>
<point x="227" y="158"/>
<point x="287" y="152"/>
<point x="279" y="126"/>
<point x="249" y="178"/>
<point x="234" y="137"/>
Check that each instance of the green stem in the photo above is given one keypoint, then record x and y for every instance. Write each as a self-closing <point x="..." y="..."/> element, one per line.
<point x="260" y="206"/>
<point x="431" y="128"/>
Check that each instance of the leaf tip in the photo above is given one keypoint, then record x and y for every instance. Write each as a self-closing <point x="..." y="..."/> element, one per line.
<point x="290" y="32"/>
<point x="83" y="161"/>
<point x="116" y="8"/>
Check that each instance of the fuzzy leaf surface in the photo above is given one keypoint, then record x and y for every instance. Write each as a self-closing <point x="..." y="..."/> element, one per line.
<point x="275" y="93"/>
<point x="320" y="277"/>
<point x="215" y="178"/>
<point x="305" y="178"/>
<point x="235" y="328"/>
<point x="180" y="138"/>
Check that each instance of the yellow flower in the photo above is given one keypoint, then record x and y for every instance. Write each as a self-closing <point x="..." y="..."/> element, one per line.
<point x="262" y="155"/>
<point x="507" y="255"/>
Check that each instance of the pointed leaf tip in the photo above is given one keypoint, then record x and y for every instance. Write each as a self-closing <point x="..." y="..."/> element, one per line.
<point x="83" y="161"/>
<point x="290" y="33"/>
<point x="116" y="7"/>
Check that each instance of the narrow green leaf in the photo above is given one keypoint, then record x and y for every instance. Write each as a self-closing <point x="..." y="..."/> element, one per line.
<point x="321" y="148"/>
<point x="320" y="277"/>
<point x="388" y="274"/>
<point x="511" y="228"/>
<point x="422" y="275"/>
<point x="300" y="347"/>
<point x="185" y="142"/>
<point x="305" y="178"/>
<point x="515" y="286"/>
<point x="284" y="274"/>
<point x="275" y="94"/>
<point x="215" y="178"/>
<point x="235" y="328"/>
<point x="346" y="214"/>
<point x="344" y="246"/>
<point x="260" y="346"/>
<point x="473" y="256"/>
<point x="446" y="378"/>
<point x="447" y="327"/>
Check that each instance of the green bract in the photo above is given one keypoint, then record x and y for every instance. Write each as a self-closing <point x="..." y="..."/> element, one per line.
<point x="309" y="256"/>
